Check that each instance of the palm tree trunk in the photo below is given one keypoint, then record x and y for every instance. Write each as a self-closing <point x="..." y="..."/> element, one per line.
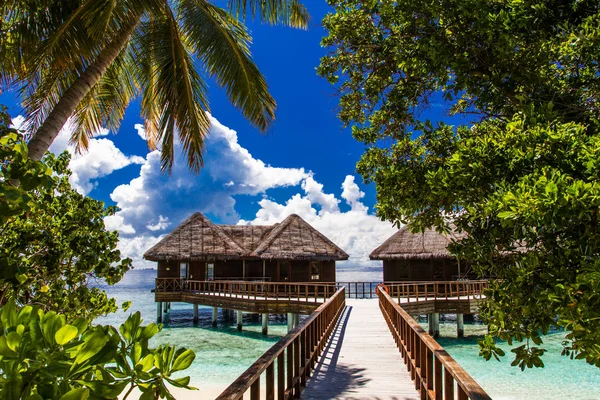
<point x="47" y="132"/>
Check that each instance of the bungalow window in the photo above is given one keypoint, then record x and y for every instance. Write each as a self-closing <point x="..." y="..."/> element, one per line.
<point x="210" y="272"/>
<point x="183" y="267"/>
<point x="315" y="271"/>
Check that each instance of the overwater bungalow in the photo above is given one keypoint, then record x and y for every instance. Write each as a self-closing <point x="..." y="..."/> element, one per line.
<point x="289" y="251"/>
<point x="423" y="256"/>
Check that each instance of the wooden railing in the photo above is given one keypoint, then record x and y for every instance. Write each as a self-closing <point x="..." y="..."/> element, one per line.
<point x="251" y="290"/>
<point x="435" y="373"/>
<point x="289" y="363"/>
<point x="359" y="290"/>
<point x="169" y="284"/>
<point x="410" y="292"/>
<point x="404" y="291"/>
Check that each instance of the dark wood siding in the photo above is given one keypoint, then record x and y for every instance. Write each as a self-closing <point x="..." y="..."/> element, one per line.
<point x="328" y="271"/>
<point x="271" y="270"/>
<point x="254" y="268"/>
<point x="300" y="271"/>
<point x="419" y="270"/>
<point x="228" y="269"/>
<point x="168" y="269"/>
<point x="197" y="270"/>
<point x="396" y="270"/>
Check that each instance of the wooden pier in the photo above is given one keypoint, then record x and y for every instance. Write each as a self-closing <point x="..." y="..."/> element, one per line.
<point x="367" y="348"/>
<point x="361" y="360"/>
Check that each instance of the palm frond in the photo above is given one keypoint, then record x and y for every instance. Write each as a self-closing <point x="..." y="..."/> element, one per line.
<point x="285" y="12"/>
<point x="105" y="105"/>
<point x="176" y="85"/>
<point x="221" y="42"/>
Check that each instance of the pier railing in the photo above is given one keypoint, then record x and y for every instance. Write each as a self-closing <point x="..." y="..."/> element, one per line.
<point x="250" y="290"/>
<point x="412" y="292"/>
<point x="288" y="364"/>
<point x="405" y="292"/>
<point x="435" y="373"/>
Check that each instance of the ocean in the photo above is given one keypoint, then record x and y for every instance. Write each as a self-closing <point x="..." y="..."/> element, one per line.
<point x="223" y="353"/>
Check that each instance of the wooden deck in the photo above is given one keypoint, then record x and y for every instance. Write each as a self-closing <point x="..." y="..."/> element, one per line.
<point x="361" y="360"/>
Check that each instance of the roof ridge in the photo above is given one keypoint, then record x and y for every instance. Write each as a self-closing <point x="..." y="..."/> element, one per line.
<point x="274" y="234"/>
<point x="212" y="226"/>
<point x="172" y="233"/>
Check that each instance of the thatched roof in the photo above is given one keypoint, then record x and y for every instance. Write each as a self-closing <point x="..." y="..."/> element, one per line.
<point x="406" y="245"/>
<point x="295" y="239"/>
<point x="198" y="239"/>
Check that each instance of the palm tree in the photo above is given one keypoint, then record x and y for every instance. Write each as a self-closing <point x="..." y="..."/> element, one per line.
<point x="105" y="53"/>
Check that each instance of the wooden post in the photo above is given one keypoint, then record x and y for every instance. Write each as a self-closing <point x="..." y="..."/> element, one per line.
<point x="290" y="321"/>
<point x="195" y="313"/>
<point x="296" y="320"/>
<point x="265" y="324"/>
<point x="436" y="325"/>
<point x="159" y="312"/>
<point x="215" y="313"/>
<point x="460" y="325"/>
<point x="430" y="324"/>
<point x="166" y="306"/>
<point x="239" y="320"/>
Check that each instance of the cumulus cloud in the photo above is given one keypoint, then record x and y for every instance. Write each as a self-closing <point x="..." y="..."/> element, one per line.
<point x="101" y="159"/>
<point x="117" y="223"/>
<point x="162" y="223"/>
<point x="135" y="247"/>
<point x="352" y="194"/>
<point x="355" y="231"/>
<point x="151" y="201"/>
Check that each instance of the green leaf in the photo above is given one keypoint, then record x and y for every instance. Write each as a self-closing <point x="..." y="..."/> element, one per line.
<point x="76" y="394"/>
<point x="66" y="334"/>
<point x="13" y="340"/>
<point x="91" y="346"/>
<point x="183" y="360"/>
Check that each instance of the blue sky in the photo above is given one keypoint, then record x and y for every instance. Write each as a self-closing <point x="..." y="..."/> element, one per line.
<point x="305" y="164"/>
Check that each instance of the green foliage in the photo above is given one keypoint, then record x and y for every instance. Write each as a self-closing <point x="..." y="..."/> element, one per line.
<point x="15" y="165"/>
<point x="53" y="239"/>
<point x="523" y="180"/>
<point x="168" y="50"/>
<point x="44" y="355"/>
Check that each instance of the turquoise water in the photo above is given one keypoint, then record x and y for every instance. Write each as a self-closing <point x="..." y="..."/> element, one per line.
<point x="561" y="378"/>
<point x="223" y="353"/>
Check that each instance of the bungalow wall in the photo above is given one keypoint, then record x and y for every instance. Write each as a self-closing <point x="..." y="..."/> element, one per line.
<point x="419" y="270"/>
<point x="197" y="270"/>
<point x="228" y="269"/>
<point x="168" y="269"/>
<point x="274" y="270"/>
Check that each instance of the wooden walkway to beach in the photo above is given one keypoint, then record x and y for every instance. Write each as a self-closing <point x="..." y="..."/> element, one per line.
<point x="361" y="360"/>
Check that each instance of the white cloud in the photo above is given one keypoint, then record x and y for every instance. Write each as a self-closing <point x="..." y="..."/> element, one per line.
<point x="163" y="223"/>
<point x="136" y="246"/>
<point x="356" y="231"/>
<point x="352" y="194"/>
<point x="17" y="122"/>
<point x="229" y="170"/>
<point x="140" y="131"/>
<point x="117" y="223"/>
<point x="154" y="201"/>
<point x="101" y="159"/>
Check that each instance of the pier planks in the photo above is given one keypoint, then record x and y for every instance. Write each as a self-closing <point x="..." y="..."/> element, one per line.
<point x="361" y="360"/>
